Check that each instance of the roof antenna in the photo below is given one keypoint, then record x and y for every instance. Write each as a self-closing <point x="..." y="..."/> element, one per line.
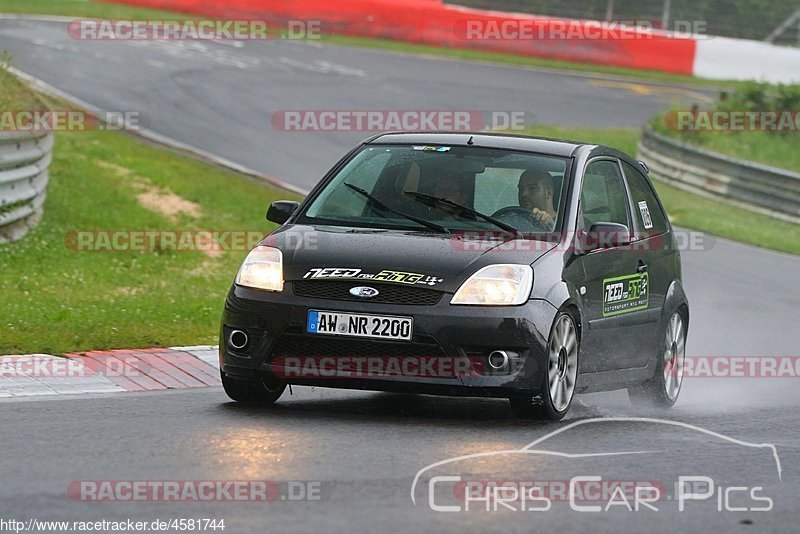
<point x="471" y="142"/>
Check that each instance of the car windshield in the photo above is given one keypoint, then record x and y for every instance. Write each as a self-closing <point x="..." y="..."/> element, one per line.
<point x="445" y="189"/>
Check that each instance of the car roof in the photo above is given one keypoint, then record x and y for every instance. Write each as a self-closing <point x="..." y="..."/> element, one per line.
<point x="542" y="145"/>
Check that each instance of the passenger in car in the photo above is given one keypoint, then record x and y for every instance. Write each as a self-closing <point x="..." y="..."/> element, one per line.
<point x="453" y="188"/>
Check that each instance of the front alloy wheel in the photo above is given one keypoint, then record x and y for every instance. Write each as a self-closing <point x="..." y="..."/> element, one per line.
<point x="663" y="389"/>
<point x="561" y="378"/>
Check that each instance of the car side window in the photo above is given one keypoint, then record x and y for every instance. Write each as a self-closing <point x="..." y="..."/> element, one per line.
<point x="603" y="197"/>
<point x="647" y="212"/>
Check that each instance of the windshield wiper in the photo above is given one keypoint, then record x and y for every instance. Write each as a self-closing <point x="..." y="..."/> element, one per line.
<point x="379" y="203"/>
<point x="430" y="199"/>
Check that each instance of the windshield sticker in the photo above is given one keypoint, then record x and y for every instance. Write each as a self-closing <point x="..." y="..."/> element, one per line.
<point x="645" y="211"/>
<point x="397" y="277"/>
<point x="431" y="148"/>
<point x="625" y="294"/>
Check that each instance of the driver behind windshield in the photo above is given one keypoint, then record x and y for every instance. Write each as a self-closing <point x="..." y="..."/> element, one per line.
<point x="536" y="194"/>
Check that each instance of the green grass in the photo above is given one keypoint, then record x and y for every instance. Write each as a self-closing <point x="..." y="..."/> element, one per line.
<point x="15" y="95"/>
<point x="83" y="8"/>
<point x="55" y="299"/>
<point x="693" y="211"/>
<point x="780" y="150"/>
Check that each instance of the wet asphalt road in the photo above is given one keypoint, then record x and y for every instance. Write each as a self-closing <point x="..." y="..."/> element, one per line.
<point x="364" y="449"/>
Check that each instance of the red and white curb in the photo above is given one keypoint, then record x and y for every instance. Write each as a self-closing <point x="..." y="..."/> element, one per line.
<point x="109" y="371"/>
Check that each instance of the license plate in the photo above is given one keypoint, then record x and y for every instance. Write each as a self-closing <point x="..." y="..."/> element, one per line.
<point x="359" y="325"/>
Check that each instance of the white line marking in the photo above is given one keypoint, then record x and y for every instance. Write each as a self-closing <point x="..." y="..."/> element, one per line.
<point x="191" y="348"/>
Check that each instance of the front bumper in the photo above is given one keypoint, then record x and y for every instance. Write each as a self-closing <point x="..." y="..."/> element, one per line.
<point x="275" y="324"/>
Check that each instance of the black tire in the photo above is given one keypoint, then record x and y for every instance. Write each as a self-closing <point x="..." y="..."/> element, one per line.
<point x="548" y="406"/>
<point x="263" y="392"/>
<point x="660" y="391"/>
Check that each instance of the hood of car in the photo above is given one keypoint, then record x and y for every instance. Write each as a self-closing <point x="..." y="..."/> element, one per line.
<point x="435" y="261"/>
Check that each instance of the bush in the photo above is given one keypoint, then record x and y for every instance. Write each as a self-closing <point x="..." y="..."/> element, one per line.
<point x="755" y="96"/>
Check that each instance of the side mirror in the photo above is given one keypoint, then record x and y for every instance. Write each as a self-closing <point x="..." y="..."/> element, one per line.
<point x="606" y="235"/>
<point x="280" y="210"/>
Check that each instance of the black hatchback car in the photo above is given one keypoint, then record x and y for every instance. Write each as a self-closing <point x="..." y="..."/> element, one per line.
<point x="465" y="264"/>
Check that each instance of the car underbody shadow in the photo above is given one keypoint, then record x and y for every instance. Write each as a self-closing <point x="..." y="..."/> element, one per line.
<point x="371" y="407"/>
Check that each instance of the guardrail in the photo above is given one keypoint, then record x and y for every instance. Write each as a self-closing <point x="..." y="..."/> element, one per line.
<point x="760" y="188"/>
<point x="24" y="161"/>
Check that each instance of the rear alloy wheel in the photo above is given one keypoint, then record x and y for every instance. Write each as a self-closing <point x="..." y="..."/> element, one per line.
<point x="663" y="389"/>
<point x="561" y="378"/>
<point x="263" y="392"/>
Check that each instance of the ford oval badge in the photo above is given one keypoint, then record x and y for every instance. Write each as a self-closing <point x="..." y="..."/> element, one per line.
<point x="364" y="292"/>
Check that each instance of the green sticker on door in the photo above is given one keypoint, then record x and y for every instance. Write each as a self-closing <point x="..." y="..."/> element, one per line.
<point x="625" y="294"/>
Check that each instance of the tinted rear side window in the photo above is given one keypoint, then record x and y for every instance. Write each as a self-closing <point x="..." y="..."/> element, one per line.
<point x="647" y="211"/>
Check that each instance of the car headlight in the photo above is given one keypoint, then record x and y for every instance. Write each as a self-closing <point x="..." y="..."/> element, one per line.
<point x="496" y="285"/>
<point x="262" y="269"/>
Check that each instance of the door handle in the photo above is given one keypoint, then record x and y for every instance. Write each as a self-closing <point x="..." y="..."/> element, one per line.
<point x="642" y="267"/>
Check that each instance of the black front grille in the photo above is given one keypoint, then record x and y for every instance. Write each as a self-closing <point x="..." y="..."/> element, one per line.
<point x="387" y="293"/>
<point x="319" y="346"/>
